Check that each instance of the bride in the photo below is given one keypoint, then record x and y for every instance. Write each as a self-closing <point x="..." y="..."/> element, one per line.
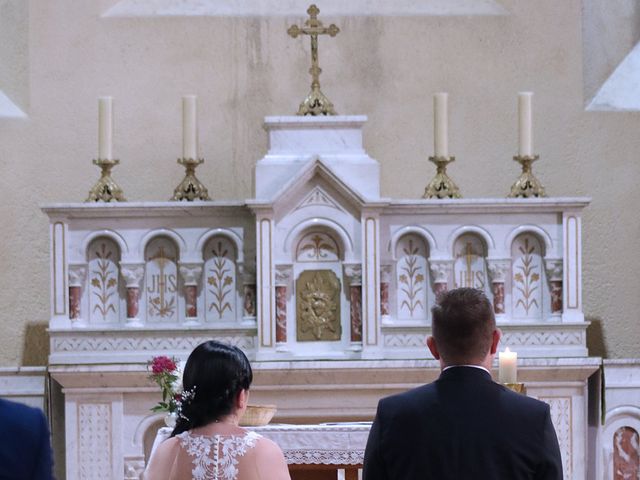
<point x="207" y="443"/>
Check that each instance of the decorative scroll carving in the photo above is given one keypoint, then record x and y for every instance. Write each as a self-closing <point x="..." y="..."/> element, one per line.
<point x="318" y="198"/>
<point x="220" y="271"/>
<point x="317" y="247"/>
<point x="132" y="274"/>
<point x="103" y="281"/>
<point x="191" y="273"/>
<point x="318" y="306"/>
<point x="441" y="270"/>
<point x="146" y="344"/>
<point x="561" y="416"/>
<point x="133" y="468"/>
<point x="94" y="441"/>
<point x="405" y="340"/>
<point x="498" y="271"/>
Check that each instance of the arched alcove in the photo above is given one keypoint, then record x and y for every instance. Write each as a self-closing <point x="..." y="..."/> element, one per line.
<point x="412" y="278"/>
<point x="104" y="286"/>
<point x="220" y="279"/>
<point x="161" y="280"/>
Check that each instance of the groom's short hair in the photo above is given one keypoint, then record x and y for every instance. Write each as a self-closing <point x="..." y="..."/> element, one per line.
<point x="462" y="325"/>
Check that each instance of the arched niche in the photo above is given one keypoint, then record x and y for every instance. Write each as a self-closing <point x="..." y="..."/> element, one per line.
<point x="529" y="291"/>
<point x="317" y="246"/>
<point x="220" y="279"/>
<point x="412" y="278"/>
<point x="104" y="287"/>
<point x="470" y="262"/>
<point x="161" y="280"/>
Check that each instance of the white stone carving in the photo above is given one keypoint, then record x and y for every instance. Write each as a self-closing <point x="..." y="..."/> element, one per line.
<point x="526" y="278"/>
<point x="441" y="270"/>
<point x="161" y="281"/>
<point x="386" y="272"/>
<point x="318" y="198"/>
<point x="543" y="338"/>
<point x="190" y="273"/>
<point x="77" y="275"/>
<point x="94" y="440"/>
<point x="403" y="340"/>
<point x="499" y="269"/>
<point x="412" y="278"/>
<point x="353" y="272"/>
<point x="104" y="275"/>
<point x="317" y="247"/>
<point x="469" y="269"/>
<point x="562" y="422"/>
<point x="133" y="467"/>
<point x="132" y="274"/>
<point x="554" y="269"/>
<point x="283" y="275"/>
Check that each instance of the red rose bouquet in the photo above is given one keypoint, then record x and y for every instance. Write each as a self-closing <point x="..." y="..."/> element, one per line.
<point x="164" y="371"/>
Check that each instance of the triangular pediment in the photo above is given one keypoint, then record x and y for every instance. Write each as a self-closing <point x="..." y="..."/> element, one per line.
<point x="318" y="197"/>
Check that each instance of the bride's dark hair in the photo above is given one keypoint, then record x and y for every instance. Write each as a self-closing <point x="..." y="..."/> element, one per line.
<point x="216" y="373"/>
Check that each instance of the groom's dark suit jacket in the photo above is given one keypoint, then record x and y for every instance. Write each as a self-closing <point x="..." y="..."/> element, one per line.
<point x="25" y="447"/>
<point x="463" y="426"/>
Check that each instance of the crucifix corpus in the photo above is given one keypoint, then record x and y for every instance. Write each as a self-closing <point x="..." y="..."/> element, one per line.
<point x="316" y="102"/>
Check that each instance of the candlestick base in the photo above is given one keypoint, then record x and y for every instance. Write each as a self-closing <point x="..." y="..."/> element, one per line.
<point x="441" y="186"/>
<point x="106" y="189"/>
<point x="316" y="104"/>
<point x="516" y="387"/>
<point x="190" y="188"/>
<point x="527" y="185"/>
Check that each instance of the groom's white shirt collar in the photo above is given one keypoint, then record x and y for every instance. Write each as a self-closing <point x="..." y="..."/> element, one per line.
<point x="472" y="366"/>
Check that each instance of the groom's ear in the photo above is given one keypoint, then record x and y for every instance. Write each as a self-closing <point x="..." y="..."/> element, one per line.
<point x="433" y="348"/>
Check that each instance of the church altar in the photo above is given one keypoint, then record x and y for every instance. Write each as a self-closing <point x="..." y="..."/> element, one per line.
<point x="324" y="283"/>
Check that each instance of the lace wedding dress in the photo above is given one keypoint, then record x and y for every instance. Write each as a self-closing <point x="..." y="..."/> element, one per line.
<point x="216" y="457"/>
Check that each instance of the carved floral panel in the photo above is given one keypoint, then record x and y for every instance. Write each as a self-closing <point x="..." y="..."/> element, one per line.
<point x="317" y="247"/>
<point x="412" y="278"/>
<point x="161" y="280"/>
<point x="470" y="266"/>
<point x="220" y="280"/>
<point x="104" y="296"/>
<point x="526" y="280"/>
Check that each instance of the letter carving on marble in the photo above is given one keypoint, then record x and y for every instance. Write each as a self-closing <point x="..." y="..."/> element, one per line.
<point x="283" y="278"/>
<point x="441" y="272"/>
<point x="498" y="272"/>
<point x="353" y="273"/>
<point x="191" y="273"/>
<point x="132" y="274"/>
<point x="77" y="275"/>
<point x="318" y="306"/>
<point x="554" y="274"/>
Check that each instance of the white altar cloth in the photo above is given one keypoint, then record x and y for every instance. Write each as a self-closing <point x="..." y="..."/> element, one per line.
<point x="323" y="444"/>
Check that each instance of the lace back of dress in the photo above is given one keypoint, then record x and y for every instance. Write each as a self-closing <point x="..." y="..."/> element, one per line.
<point x="216" y="457"/>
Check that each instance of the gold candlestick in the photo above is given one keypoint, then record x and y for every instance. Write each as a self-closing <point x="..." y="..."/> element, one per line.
<point x="441" y="186"/>
<point x="517" y="387"/>
<point x="106" y="189"/>
<point x="190" y="188"/>
<point x="316" y="102"/>
<point x="527" y="185"/>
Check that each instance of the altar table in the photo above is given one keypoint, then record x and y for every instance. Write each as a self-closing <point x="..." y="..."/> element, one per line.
<point x="314" y="452"/>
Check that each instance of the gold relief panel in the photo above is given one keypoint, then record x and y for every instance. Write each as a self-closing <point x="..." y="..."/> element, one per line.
<point x="318" y="306"/>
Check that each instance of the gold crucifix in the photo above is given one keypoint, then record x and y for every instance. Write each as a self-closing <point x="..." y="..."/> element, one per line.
<point x="316" y="102"/>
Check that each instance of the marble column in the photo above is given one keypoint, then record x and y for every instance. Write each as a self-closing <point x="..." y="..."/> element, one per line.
<point x="353" y="274"/>
<point x="498" y="272"/>
<point x="248" y="294"/>
<point x="385" y="285"/>
<point x="283" y="280"/>
<point x="191" y="274"/>
<point x="553" y="267"/>
<point x="133" y="274"/>
<point x="77" y="275"/>
<point x="441" y="271"/>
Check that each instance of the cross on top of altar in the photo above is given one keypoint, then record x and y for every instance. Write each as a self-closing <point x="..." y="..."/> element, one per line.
<point x="316" y="102"/>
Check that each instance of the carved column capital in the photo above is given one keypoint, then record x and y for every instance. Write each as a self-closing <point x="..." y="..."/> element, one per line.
<point x="385" y="273"/>
<point x="77" y="274"/>
<point x="248" y="274"/>
<point x="498" y="269"/>
<point x="190" y="273"/>
<point x="353" y="273"/>
<point x="132" y="274"/>
<point x="441" y="270"/>
<point x="283" y="275"/>
<point x="553" y="267"/>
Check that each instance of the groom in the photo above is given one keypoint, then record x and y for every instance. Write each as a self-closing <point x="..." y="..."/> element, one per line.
<point x="463" y="426"/>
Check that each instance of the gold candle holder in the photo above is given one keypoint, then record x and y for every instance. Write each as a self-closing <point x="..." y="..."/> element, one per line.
<point x="106" y="189"/>
<point x="190" y="188"/>
<point x="527" y="185"/>
<point x="517" y="387"/>
<point x="441" y="186"/>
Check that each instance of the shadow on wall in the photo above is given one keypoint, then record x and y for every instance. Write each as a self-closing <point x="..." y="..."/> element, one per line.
<point x="36" y="345"/>
<point x="595" y="338"/>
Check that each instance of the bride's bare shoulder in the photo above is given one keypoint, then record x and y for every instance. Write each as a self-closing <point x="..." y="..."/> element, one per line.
<point x="162" y="460"/>
<point x="269" y="458"/>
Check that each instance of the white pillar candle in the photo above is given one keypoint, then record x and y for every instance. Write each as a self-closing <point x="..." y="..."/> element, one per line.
<point x="105" y="128"/>
<point x="440" y="125"/>
<point x="525" y="124"/>
<point x="508" y="366"/>
<point x="189" y="127"/>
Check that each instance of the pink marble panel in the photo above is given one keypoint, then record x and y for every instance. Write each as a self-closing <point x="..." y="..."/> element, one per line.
<point x="556" y="296"/>
<point x="355" y="299"/>
<point x="133" y="302"/>
<point x="191" y="300"/>
<point x="281" y="314"/>
<point x="626" y="454"/>
<point x="74" y="302"/>
<point x="384" y="298"/>
<point x="249" y="300"/>
<point x="498" y="297"/>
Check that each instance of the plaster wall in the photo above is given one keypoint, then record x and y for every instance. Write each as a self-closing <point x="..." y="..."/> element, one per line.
<point x="243" y="69"/>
